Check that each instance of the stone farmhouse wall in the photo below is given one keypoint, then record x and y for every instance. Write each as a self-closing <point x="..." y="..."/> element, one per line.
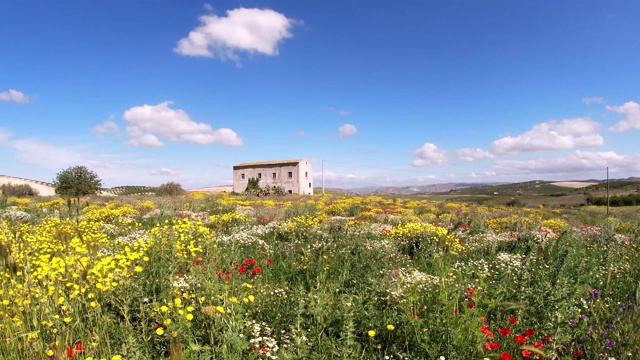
<point x="295" y="176"/>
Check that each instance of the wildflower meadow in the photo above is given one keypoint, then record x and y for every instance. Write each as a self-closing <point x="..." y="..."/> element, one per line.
<point x="232" y="277"/>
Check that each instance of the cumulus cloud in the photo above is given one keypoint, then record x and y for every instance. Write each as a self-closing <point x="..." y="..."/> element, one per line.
<point x="631" y="112"/>
<point x="579" y="161"/>
<point x="347" y="130"/>
<point x="14" y="95"/>
<point x="106" y="127"/>
<point x="249" y="30"/>
<point x="429" y="154"/>
<point x="552" y="135"/>
<point x="591" y="100"/>
<point x="165" y="171"/>
<point x="147" y="140"/>
<point x="472" y="154"/>
<point x="147" y="122"/>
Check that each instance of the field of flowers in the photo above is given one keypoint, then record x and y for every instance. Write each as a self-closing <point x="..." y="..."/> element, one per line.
<point x="231" y="277"/>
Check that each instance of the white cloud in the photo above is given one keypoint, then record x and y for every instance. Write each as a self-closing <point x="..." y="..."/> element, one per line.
<point x="472" y="154"/>
<point x="590" y="100"/>
<point x="106" y="127"/>
<point x="579" y="161"/>
<point x="483" y="174"/>
<point x="147" y="140"/>
<point x="207" y="7"/>
<point x="429" y="154"/>
<point x="166" y="171"/>
<point x="552" y="135"/>
<point x="14" y="95"/>
<point x="631" y="111"/>
<point x="147" y="122"/>
<point x="45" y="155"/>
<point x="4" y="135"/>
<point x="347" y="130"/>
<point x="249" y="30"/>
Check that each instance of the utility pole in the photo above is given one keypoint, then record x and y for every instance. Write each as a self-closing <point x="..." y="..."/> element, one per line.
<point x="323" y="177"/>
<point x="607" y="191"/>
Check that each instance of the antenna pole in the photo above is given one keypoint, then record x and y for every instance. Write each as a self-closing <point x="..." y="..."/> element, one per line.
<point x="322" y="177"/>
<point x="607" y="191"/>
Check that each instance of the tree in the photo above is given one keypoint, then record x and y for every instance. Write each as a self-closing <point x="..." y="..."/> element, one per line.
<point x="76" y="182"/>
<point x="170" y="189"/>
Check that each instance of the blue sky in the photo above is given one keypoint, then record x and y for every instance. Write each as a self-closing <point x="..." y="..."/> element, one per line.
<point x="386" y="93"/>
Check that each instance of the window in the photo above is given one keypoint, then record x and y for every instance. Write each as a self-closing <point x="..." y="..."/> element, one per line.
<point x="290" y="192"/>
<point x="259" y="175"/>
<point x="290" y="174"/>
<point x="274" y="175"/>
<point x="309" y="185"/>
<point x="306" y="175"/>
<point x="242" y="176"/>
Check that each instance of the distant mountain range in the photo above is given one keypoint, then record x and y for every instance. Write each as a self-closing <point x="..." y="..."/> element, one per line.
<point x="471" y="188"/>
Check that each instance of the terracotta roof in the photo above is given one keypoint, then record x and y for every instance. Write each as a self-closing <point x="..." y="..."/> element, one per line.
<point x="273" y="162"/>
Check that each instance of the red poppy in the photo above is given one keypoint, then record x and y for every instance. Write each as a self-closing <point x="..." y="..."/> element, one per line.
<point x="505" y="356"/>
<point x="491" y="345"/>
<point x="269" y="261"/>
<point x="538" y="344"/>
<point x="520" y="339"/>
<point x="455" y="312"/>
<point x="70" y="352"/>
<point x="255" y="271"/>
<point x="513" y="320"/>
<point x="249" y="261"/>
<point x="578" y="353"/>
<point x="485" y="330"/>
<point x="79" y="348"/>
<point x="526" y="354"/>
<point x="505" y="331"/>
<point x="471" y="290"/>
<point x="471" y="305"/>
<point x="242" y="269"/>
<point x="483" y="319"/>
<point x="530" y="332"/>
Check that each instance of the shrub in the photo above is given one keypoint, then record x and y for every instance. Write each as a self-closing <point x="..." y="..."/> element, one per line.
<point x="17" y="190"/>
<point x="170" y="189"/>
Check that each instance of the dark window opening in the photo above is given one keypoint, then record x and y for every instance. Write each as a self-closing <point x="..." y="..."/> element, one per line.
<point x="259" y="175"/>
<point x="306" y="175"/>
<point x="242" y="175"/>
<point x="290" y="174"/>
<point x="290" y="192"/>
<point x="274" y="175"/>
<point x="309" y="184"/>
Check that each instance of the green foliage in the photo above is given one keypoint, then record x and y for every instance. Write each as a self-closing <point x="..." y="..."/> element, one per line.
<point x="170" y="189"/>
<point x="22" y="190"/>
<point x="76" y="182"/>
<point x="620" y="200"/>
<point x="252" y="185"/>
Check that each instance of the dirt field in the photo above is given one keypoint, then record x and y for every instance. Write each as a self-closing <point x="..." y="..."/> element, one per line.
<point x="573" y="184"/>
<point x="213" y="189"/>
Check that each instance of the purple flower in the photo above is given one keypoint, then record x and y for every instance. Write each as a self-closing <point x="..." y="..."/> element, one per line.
<point x="595" y="293"/>
<point x="609" y="344"/>
<point x="572" y="324"/>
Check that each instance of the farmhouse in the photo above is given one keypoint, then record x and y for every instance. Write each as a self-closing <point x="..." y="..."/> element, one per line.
<point x="294" y="176"/>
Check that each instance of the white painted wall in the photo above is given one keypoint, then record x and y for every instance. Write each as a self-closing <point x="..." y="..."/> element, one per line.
<point x="300" y="181"/>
